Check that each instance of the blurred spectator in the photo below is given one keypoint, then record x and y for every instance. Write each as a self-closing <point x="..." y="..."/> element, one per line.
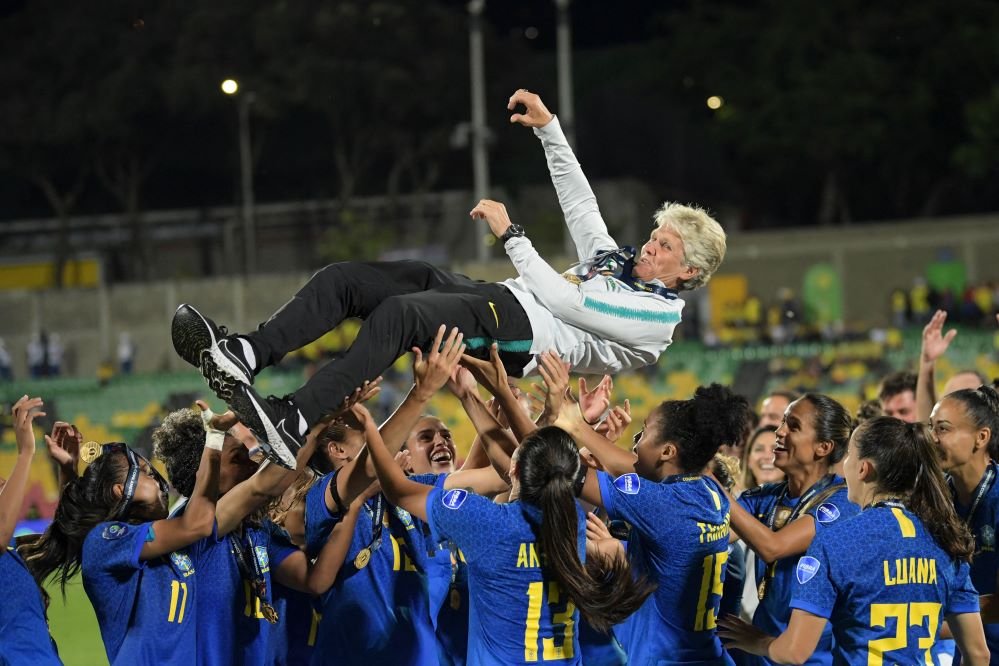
<point x="5" y="373"/>
<point x="53" y="355"/>
<point x="105" y="372"/>
<point x="964" y="379"/>
<point x="897" y="395"/>
<point x="919" y="301"/>
<point x="899" y="309"/>
<point x="869" y="409"/>
<point x="126" y="353"/>
<point x="773" y="406"/>
<point x="35" y="352"/>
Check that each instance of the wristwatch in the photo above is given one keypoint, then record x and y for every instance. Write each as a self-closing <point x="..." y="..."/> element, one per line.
<point x="513" y="231"/>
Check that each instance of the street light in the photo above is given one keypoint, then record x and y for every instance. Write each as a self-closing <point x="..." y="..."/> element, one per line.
<point x="243" y="101"/>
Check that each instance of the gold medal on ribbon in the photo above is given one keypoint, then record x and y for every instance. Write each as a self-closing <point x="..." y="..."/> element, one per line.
<point x="362" y="558"/>
<point x="90" y="451"/>
<point x="780" y="520"/>
<point x="761" y="589"/>
<point x="268" y="612"/>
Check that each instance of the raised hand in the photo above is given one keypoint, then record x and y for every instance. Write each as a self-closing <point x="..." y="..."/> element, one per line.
<point x="363" y="393"/>
<point x="491" y="373"/>
<point x="535" y="114"/>
<point x="64" y="443"/>
<point x="463" y="383"/>
<point x="495" y="215"/>
<point x="430" y="373"/>
<point x="404" y="459"/>
<point x="555" y="373"/>
<point x="594" y="403"/>
<point x="221" y="422"/>
<point x="935" y="342"/>
<point x="24" y="412"/>
<point x="617" y="421"/>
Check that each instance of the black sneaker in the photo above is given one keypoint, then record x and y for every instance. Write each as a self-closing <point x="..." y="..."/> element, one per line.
<point x="274" y="421"/>
<point x="208" y="347"/>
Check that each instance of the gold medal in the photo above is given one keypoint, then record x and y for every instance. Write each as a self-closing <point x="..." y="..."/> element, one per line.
<point x="268" y="612"/>
<point x="362" y="558"/>
<point x="761" y="589"/>
<point x="90" y="451"/>
<point x="455" y="599"/>
<point x="780" y="520"/>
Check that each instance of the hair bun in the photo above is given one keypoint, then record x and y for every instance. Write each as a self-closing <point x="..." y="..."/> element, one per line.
<point x="990" y="396"/>
<point x="720" y="413"/>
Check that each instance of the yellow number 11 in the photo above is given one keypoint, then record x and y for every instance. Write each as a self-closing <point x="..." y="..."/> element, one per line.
<point x="178" y="592"/>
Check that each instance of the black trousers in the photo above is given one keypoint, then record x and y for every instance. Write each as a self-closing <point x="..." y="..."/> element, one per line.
<point x="402" y="303"/>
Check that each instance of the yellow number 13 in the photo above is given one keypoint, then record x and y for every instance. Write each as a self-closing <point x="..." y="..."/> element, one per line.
<point x="906" y="615"/>
<point x="561" y="622"/>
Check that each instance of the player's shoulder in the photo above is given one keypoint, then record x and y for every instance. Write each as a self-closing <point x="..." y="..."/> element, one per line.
<point x="763" y="491"/>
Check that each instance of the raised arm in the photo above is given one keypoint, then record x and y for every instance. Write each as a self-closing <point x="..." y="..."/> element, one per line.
<point x="198" y="519"/>
<point x="430" y="374"/>
<point x="399" y="490"/>
<point x="615" y="460"/>
<point x="24" y="412"/>
<point x="492" y="375"/>
<point x="794" y="646"/>
<point x="770" y="546"/>
<point x="935" y="344"/>
<point x="64" y="448"/>
<point x="579" y="204"/>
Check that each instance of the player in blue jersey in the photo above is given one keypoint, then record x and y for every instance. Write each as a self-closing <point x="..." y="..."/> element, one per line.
<point x="138" y="565"/>
<point x="24" y="634"/>
<point x="527" y="579"/>
<point x="885" y="579"/>
<point x="679" y="520"/>
<point x="779" y="520"/>
<point x="965" y="426"/>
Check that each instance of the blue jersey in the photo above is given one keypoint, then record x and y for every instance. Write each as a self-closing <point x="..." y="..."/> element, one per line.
<point x="516" y="614"/>
<point x="773" y="613"/>
<point x="145" y="609"/>
<point x="984" y="525"/>
<point x="376" y="613"/>
<point x="884" y="585"/>
<point x="293" y="637"/>
<point x="24" y="633"/>
<point x="679" y="539"/>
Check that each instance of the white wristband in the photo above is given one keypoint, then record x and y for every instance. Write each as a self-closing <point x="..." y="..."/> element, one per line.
<point x="214" y="439"/>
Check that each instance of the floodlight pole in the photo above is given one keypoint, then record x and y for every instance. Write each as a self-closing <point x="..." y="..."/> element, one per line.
<point x="480" y="148"/>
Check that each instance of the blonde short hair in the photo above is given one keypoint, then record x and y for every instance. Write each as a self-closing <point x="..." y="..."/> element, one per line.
<point x="703" y="239"/>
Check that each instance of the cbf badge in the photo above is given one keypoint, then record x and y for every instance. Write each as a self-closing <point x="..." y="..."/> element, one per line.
<point x="988" y="539"/>
<point x="453" y="499"/>
<point x="808" y="566"/>
<point x="183" y="563"/>
<point x="115" y="531"/>
<point x="262" y="559"/>
<point x="628" y="483"/>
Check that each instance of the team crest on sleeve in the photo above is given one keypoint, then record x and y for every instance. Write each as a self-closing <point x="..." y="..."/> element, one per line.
<point x="827" y="513"/>
<point x="262" y="558"/>
<point x="628" y="483"/>
<point x="453" y="499"/>
<point x="115" y="531"/>
<point x="183" y="563"/>
<point x="808" y="566"/>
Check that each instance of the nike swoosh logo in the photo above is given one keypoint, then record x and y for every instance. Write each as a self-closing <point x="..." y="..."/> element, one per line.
<point x="492" y="306"/>
<point x="274" y="439"/>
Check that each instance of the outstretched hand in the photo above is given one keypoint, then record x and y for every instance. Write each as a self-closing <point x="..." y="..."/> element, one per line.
<point x="535" y="114"/>
<point x="617" y="421"/>
<point x="491" y="374"/>
<point x="555" y="373"/>
<point x="495" y="215"/>
<point x="462" y="384"/>
<point x="25" y="411"/>
<point x="737" y="633"/>
<point x="430" y="373"/>
<point x="935" y="342"/>
<point x="64" y="443"/>
<point x="596" y="401"/>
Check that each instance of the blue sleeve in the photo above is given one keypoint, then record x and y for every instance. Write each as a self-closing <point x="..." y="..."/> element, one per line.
<point x="629" y="496"/>
<point x="833" y="510"/>
<point x="463" y="517"/>
<point x="117" y="546"/>
<point x="963" y="598"/>
<point x="814" y="590"/>
<point x="319" y="520"/>
<point x="280" y="547"/>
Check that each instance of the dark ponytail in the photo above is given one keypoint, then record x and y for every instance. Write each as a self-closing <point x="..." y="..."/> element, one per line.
<point x="982" y="407"/>
<point x="603" y="589"/>
<point x="714" y="416"/>
<point x="908" y="467"/>
<point x="85" y="502"/>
